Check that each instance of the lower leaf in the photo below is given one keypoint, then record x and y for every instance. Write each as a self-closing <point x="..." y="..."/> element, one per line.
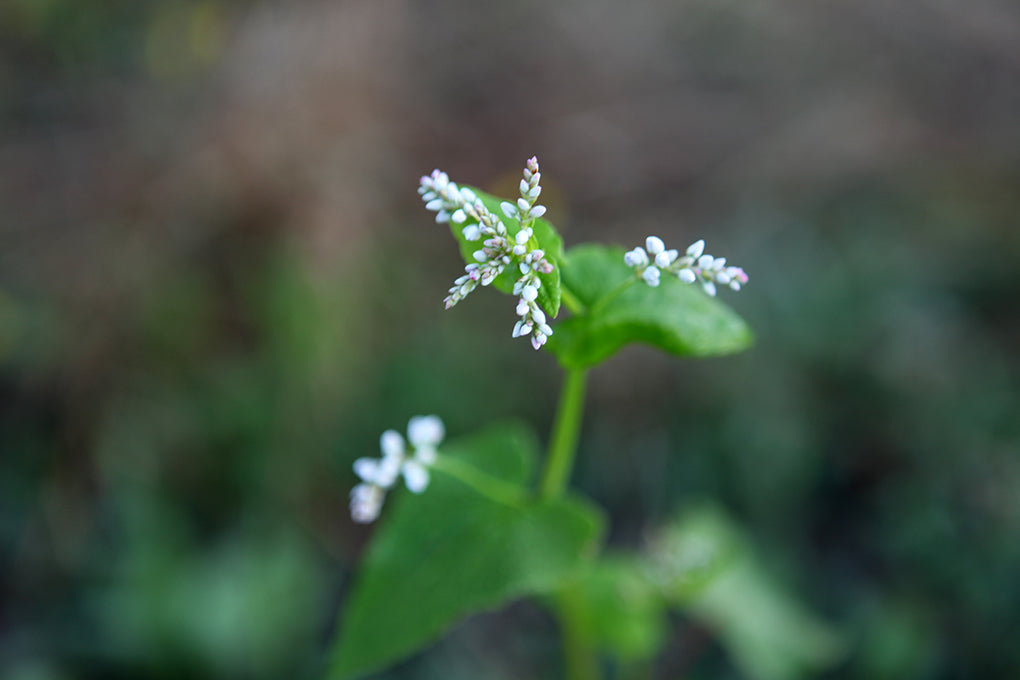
<point x="450" y="552"/>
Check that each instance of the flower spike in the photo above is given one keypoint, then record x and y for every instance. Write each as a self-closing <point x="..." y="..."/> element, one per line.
<point x="695" y="265"/>
<point x="379" y="475"/>
<point x="499" y="249"/>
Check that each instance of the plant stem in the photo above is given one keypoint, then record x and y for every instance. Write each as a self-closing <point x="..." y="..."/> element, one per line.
<point x="563" y="444"/>
<point x="578" y="654"/>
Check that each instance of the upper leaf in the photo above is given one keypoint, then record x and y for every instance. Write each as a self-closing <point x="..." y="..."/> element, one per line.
<point x="450" y="551"/>
<point x="548" y="239"/>
<point x="620" y="309"/>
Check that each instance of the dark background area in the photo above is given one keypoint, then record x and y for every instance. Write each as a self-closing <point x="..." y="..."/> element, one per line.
<point x="218" y="286"/>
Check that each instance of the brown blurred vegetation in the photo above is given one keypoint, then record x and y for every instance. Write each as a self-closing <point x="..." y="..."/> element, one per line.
<point x="217" y="287"/>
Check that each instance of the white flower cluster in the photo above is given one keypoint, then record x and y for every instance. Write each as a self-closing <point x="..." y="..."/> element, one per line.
<point x="499" y="249"/>
<point x="378" y="475"/>
<point x="649" y="262"/>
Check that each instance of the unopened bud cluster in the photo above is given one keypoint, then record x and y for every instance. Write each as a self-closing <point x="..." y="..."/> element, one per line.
<point x="695" y="265"/>
<point x="499" y="249"/>
<point x="378" y="475"/>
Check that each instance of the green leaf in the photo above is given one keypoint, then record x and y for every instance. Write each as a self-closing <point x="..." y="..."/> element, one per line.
<point x="448" y="552"/>
<point x="619" y="309"/>
<point x="707" y="569"/>
<point x="619" y="609"/>
<point x="548" y="239"/>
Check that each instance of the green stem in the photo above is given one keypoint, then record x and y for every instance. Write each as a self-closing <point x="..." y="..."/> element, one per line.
<point x="563" y="445"/>
<point x="487" y="485"/>
<point x="578" y="651"/>
<point x="579" y="655"/>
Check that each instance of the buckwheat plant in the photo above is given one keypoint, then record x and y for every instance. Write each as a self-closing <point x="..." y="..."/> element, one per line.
<point x="480" y="530"/>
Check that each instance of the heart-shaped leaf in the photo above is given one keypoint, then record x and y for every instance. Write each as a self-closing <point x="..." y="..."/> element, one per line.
<point x="449" y="552"/>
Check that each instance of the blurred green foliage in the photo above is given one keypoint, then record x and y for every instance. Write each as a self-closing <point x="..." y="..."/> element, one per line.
<point x="197" y="338"/>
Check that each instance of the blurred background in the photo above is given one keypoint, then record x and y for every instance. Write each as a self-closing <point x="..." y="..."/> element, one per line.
<point x="218" y="286"/>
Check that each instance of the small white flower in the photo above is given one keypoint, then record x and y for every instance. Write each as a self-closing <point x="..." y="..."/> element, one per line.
<point x="416" y="476"/>
<point x="509" y="209"/>
<point x="687" y="275"/>
<point x="665" y="258"/>
<point x="651" y="276"/>
<point x="654" y="245"/>
<point x="636" y="258"/>
<point x="366" y="503"/>
<point x="391" y="444"/>
<point x="537" y="211"/>
<point x="695" y="250"/>
<point x="424" y="433"/>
